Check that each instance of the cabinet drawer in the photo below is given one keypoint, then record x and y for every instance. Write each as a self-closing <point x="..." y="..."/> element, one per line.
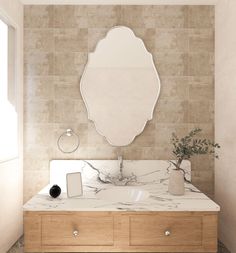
<point x="158" y="230"/>
<point x="75" y="230"/>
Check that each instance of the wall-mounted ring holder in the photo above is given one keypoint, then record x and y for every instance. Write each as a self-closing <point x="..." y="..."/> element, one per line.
<point x="68" y="142"/>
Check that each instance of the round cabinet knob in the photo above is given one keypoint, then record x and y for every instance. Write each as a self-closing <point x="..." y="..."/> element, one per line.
<point x="167" y="233"/>
<point x="75" y="233"/>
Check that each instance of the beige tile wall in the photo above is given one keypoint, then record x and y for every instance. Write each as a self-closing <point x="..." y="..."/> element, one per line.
<point x="56" y="46"/>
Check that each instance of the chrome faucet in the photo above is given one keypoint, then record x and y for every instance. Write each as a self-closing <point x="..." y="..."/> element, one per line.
<point x="120" y="160"/>
<point x="120" y="179"/>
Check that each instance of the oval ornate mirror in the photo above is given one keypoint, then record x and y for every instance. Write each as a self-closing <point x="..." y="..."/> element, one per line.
<point x="120" y="86"/>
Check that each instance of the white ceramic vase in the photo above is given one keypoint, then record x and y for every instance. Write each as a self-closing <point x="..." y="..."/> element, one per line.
<point x="176" y="182"/>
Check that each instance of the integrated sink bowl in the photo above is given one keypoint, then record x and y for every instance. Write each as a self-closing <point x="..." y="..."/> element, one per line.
<point x="123" y="194"/>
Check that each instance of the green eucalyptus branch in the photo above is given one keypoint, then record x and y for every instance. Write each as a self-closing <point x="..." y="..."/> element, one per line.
<point x="188" y="146"/>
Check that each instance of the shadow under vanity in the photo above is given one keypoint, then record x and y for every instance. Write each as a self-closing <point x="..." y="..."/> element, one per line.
<point x="125" y="205"/>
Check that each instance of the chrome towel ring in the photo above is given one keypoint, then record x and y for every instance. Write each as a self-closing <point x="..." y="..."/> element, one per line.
<point x="69" y="133"/>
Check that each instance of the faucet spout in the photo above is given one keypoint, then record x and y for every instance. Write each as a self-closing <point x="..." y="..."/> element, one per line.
<point x="120" y="160"/>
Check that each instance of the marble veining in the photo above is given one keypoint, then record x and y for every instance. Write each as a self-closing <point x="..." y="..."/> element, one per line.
<point x="151" y="175"/>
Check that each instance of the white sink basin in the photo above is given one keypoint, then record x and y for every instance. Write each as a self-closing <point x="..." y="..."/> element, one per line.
<point x="123" y="194"/>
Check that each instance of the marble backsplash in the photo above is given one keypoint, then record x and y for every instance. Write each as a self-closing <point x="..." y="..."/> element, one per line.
<point x="144" y="171"/>
<point x="57" y="40"/>
<point x="151" y="177"/>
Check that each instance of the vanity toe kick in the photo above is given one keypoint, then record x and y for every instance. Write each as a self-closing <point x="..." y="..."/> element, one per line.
<point x="120" y="231"/>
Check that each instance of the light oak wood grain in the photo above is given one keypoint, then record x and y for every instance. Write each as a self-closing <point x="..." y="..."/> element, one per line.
<point x="32" y="233"/>
<point x="120" y="231"/>
<point x="150" y="230"/>
<point x="58" y="230"/>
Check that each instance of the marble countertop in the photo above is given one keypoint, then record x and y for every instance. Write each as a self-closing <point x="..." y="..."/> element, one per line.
<point x="159" y="200"/>
<point x="152" y="176"/>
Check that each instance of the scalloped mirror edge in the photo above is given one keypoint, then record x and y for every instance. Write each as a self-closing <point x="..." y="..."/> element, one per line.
<point x="82" y="89"/>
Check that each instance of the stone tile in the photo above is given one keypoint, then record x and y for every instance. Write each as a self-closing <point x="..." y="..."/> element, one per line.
<point x="199" y="175"/>
<point x="170" y="16"/>
<point x="38" y="87"/>
<point x="81" y="114"/>
<point x="201" y="80"/>
<point x="146" y="138"/>
<point x="38" y="40"/>
<point x="201" y="16"/>
<point x="201" y="92"/>
<point x="201" y="40"/>
<point x="94" y="138"/>
<point x="37" y="157"/>
<point x="70" y="111"/>
<point x="81" y="10"/>
<point x="174" y="88"/>
<point x="133" y="17"/>
<point x="66" y="156"/>
<point x="52" y="80"/>
<point x="99" y="152"/>
<point x="155" y="16"/>
<point x="149" y="153"/>
<point x="106" y="16"/>
<point x="203" y="163"/>
<point x="148" y="37"/>
<point x="103" y="10"/>
<point x="40" y="134"/>
<point x="65" y="16"/>
<point x="103" y="22"/>
<point x="171" y="111"/>
<point x="201" y="111"/>
<point x="38" y="16"/>
<point x="200" y="64"/>
<point x="164" y="132"/>
<point x="67" y="87"/>
<point x="171" y="40"/>
<point x="208" y="129"/>
<point x="94" y="36"/>
<point x="156" y="153"/>
<point x="69" y="63"/>
<point x="40" y="64"/>
<point x="64" y="111"/>
<point x="171" y="64"/>
<point x="131" y="152"/>
<point x="34" y="181"/>
<point x="38" y="111"/>
<point x="71" y="40"/>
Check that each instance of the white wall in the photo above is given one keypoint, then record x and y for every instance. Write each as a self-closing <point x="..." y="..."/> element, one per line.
<point x="11" y="172"/>
<point x="225" y="119"/>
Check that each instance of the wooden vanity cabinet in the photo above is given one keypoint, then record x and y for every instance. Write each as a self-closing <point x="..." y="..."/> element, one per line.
<point x="120" y="231"/>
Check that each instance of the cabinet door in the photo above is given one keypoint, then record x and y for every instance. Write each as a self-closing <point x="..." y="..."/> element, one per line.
<point x="161" y="230"/>
<point x="77" y="230"/>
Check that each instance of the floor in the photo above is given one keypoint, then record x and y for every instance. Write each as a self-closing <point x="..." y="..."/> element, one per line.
<point x="18" y="247"/>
